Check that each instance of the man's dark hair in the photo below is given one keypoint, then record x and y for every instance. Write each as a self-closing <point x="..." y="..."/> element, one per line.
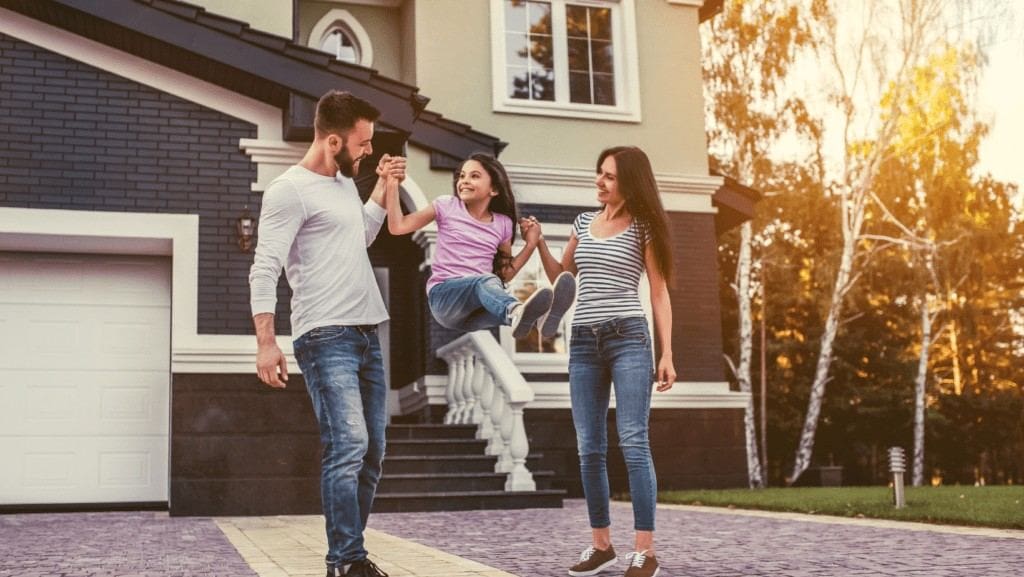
<point x="338" y="111"/>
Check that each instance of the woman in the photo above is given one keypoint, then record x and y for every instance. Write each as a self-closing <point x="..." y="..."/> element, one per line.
<point x="609" y="250"/>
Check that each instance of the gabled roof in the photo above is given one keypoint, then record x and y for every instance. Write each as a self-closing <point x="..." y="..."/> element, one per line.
<point x="262" y="66"/>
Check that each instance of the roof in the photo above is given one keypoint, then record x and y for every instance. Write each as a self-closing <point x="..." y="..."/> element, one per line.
<point x="735" y="203"/>
<point x="263" y="66"/>
<point x="709" y="9"/>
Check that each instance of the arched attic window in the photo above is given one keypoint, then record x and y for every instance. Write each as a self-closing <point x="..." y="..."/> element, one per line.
<point x="340" y="34"/>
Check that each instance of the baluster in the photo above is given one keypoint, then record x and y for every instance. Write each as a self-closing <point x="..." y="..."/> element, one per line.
<point x="486" y="428"/>
<point x="497" y="444"/>
<point x="467" y="389"/>
<point x="449" y="392"/>
<point x="504" y="464"/>
<point x="460" y="399"/>
<point x="479" y="374"/>
<point x="519" y="478"/>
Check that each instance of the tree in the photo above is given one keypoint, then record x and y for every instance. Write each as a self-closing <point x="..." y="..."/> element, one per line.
<point x="893" y="38"/>
<point x="748" y="51"/>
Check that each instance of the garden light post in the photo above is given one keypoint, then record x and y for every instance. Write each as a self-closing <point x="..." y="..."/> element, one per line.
<point x="897" y="466"/>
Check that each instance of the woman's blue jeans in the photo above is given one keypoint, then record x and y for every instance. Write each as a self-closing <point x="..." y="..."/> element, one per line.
<point x="470" y="303"/>
<point x="344" y="372"/>
<point x="617" y="353"/>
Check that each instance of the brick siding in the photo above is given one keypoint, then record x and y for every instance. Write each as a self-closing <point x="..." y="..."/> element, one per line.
<point x="78" y="138"/>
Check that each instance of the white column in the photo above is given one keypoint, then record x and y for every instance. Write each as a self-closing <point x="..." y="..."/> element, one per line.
<point x="519" y="478"/>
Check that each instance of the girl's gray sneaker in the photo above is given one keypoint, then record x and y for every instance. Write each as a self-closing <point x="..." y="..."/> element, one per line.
<point x="527" y="314"/>
<point x="563" y="295"/>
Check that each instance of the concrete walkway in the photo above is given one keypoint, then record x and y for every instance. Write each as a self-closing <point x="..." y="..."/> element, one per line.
<point x="692" y="541"/>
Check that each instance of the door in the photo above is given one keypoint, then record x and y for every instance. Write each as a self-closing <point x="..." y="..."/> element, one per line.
<point x="85" y="365"/>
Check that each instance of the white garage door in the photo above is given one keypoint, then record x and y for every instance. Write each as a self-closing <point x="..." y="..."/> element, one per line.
<point x="84" y="378"/>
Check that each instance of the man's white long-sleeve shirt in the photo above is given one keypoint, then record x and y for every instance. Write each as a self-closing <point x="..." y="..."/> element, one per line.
<point x="317" y="229"/>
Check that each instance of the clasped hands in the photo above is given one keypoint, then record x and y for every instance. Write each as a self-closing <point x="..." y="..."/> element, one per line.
<point x="391" y="167"/>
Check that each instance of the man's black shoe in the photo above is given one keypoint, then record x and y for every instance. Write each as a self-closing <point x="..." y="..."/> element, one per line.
<point x="365" y="568"/>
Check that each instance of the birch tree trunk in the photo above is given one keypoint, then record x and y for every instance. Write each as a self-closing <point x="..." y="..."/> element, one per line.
<point x="919" y="391"/>
<point x="754" y="476"/>
<point x="806" y="447"/>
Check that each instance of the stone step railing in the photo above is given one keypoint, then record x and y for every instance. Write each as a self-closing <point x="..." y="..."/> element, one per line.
<point x="487" y="390"/>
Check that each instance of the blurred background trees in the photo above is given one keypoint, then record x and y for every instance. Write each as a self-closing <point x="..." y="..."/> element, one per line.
<point x="930" y="316"/>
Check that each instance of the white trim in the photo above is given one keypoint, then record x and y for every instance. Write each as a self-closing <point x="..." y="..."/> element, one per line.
<point x="379" y="3"/>
<point x="554" y="395"/>
<point x="341" y="18"/>
<point x="694" y="3"/>
<point x="272" y="158"/>
<point x="627" y="69"/>
<point x="267" y="118"/>
<point x="536" y="184"/>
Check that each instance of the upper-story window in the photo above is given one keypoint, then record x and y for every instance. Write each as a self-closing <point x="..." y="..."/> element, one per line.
<point x="342" y="44"/>
<point x="574" y="58"/>
<point x="339" y="33"/>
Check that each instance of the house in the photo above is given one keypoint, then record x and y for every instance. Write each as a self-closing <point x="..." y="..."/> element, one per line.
<point x="136" y="138"/>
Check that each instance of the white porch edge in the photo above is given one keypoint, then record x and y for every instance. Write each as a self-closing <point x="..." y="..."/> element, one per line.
<point x="430" y="390"/>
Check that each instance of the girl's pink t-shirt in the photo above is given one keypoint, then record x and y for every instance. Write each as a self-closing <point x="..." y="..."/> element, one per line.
<point x="465" y="246"/>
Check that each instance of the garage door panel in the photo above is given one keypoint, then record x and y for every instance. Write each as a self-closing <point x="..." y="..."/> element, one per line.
<point x="85" y="470"/>
<point x="101" y="403"/>
<point x="72" y="280"/>
<point x="84" y="403"/>
<point x="100" y="337"/>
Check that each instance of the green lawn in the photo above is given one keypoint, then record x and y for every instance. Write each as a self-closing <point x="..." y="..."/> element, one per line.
<point x="1001" y="507"/>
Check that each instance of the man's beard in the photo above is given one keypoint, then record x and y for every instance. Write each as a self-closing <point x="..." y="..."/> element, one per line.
<point x="346" y="164"/>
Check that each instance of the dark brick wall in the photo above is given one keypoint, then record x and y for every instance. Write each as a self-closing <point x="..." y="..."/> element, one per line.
<point x="241" y="448"/>
<point x="696" y="312"/>
<point x="549" y="213"/>
<point x="79" y="138"/>
<point x="692" y="448"/>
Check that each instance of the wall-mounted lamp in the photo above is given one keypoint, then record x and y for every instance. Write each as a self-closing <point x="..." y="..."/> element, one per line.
<point x="246" y="228"/>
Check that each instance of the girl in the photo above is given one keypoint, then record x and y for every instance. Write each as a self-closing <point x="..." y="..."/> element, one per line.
<point x="609" y="250"/>
<point x="475" y="229"/>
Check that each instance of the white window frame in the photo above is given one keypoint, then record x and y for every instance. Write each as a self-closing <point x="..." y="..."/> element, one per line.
<point x="626" y="62"/>
<point x="341" y="19"/>
<point x="557" y="237"/>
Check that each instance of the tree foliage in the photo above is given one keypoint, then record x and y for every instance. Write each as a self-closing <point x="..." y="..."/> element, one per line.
<point x="927" y="191"/>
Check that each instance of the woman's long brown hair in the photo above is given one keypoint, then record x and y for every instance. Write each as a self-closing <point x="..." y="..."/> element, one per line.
<point x="640" y="191"/>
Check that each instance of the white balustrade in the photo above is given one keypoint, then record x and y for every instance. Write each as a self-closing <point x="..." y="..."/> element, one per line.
<point x="486" y="389"/>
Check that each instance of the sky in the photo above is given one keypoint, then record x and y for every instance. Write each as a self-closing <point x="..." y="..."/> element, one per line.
<point x="1001" y="103"/>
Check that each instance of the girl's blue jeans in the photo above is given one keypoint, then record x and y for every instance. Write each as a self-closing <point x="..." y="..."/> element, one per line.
<point x="470" y="303"/>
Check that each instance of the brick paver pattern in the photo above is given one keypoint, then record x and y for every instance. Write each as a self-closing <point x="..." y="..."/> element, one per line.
<point x="545" y="542"/>
<point x="135" y="544"/>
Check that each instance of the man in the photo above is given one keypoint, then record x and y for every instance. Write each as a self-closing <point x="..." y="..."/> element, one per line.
<point x="314" y="225"/>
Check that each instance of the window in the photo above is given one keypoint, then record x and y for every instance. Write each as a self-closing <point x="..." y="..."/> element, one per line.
<point x="340" y="34"/>
<point x="340" y="43"/>
<point x="530" y="278"/>
<point x="573" y="58"/>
